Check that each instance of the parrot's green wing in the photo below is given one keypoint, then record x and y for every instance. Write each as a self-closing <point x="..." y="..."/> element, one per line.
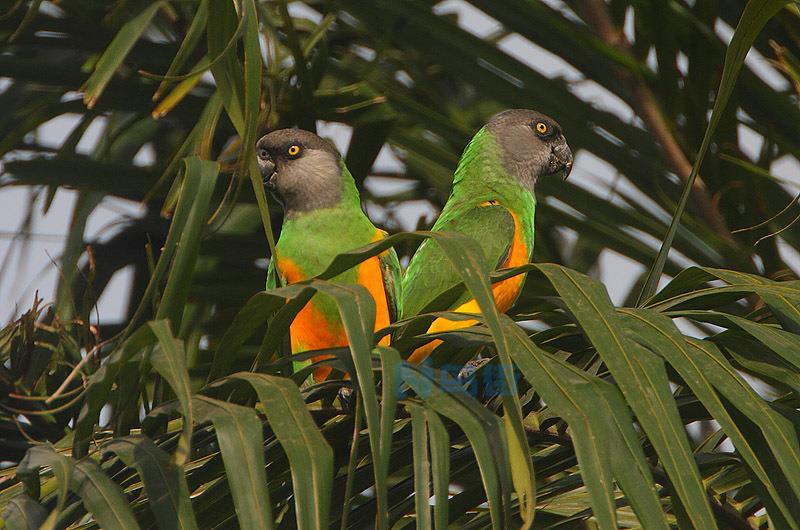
<point x="430" y="274"/>
<point x="390" y="269"/>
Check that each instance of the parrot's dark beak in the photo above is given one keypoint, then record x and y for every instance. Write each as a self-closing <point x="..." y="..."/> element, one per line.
<point x="563" y="155"/>
<point x="267" y="167"/>
<point x="567" y="169"/>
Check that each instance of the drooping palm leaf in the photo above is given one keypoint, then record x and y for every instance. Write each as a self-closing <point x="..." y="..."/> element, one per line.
<point x="591" y="412"/>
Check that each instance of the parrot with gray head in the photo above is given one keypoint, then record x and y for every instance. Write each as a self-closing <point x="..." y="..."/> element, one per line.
<point x="322" y="219"/>
<point x="492" y="201"/>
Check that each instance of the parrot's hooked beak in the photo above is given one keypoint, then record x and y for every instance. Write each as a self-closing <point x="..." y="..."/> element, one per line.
<point x="267" y="167"/>
<point x="563" y="155"/>
<point x="567" y="169"/>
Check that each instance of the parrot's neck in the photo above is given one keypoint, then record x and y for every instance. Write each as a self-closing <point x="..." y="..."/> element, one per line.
<point x="313" y="238"/>
<point x="350" y="197"/>
<point x="344" y="214"/>
<point x="482" y="175"/>
<point x="324" y="196"/>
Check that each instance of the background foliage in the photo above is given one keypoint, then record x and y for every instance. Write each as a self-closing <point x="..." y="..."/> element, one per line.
<point x="189" y="385"/>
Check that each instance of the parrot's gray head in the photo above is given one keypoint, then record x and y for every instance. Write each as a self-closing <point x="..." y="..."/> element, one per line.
<point x="301" y="169"/>
<point x="532" y="145"/>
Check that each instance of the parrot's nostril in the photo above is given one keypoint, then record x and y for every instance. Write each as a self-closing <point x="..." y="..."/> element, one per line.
<point x="263" y="154"/>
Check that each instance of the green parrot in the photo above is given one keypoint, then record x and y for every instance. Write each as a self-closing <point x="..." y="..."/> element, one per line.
<point x="322" y="219"/>
<point x="492" y="201"/>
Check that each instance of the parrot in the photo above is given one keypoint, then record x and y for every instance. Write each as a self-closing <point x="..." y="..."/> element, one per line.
<point x="492" y="201"/>
<point x="322" y="218"/>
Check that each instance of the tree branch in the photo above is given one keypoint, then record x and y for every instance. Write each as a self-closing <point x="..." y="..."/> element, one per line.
<point x="644" y="103"/>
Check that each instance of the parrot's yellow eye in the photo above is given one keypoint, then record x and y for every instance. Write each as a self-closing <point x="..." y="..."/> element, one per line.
<point x="293" y="150"/>
<point x="542" y="128"/>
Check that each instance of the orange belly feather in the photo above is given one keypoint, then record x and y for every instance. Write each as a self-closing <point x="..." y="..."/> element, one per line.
<point x="505" y="293"/>
<point x="311" y="330"/>
<point x="370" y="276"/>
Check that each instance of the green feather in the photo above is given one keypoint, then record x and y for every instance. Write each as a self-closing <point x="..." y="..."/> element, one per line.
<point x="479" y="178"/>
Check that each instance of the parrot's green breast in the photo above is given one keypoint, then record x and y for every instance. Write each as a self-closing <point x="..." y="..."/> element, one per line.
<point x="308" y="245"/>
